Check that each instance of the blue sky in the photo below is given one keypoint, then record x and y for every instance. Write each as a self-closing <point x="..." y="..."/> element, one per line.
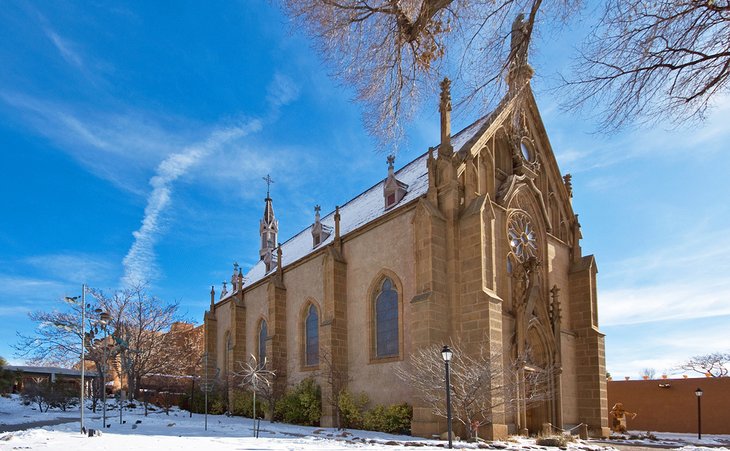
<point x="133" y="140"/>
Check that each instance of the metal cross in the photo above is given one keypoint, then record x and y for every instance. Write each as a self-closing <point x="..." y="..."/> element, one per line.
<point x="391" y="160"/>
<point x="268" y="181"/>
<point x="317" y="208"/>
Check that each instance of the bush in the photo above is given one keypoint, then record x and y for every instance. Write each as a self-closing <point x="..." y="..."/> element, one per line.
<point x="393" y="419"/>
<point x="46" y="395"/>
<point x="197" y="403"/>
<point x="301" y="404"/>
<point x="242" y="404"/>
<point x="7" y="378"/>
<point x="351" y="409"/>
<point x="217" y="406"/>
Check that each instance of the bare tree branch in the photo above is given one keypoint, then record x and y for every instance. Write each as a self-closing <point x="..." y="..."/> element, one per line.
<point x="654" y="60"/>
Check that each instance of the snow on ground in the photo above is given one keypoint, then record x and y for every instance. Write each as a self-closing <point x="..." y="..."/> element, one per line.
<point x="686" y="441"/>
<point x="178" y="431"/>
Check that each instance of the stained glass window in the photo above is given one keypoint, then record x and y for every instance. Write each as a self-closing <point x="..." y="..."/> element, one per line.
<point x="262" y="343"/>
<point x="386" y="320"/>
<point x="522" y="237"/>
<point x="311" y="326"/>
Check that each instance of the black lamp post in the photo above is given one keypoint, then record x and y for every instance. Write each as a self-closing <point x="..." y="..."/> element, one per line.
<point x="698" y="393"/>
<point x="446" y="354"/>
<point x="104" y="318"/>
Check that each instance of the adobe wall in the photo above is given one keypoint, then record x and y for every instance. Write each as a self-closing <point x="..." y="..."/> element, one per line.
<point x="674" y="408"/>
<point x="389" y="247"/>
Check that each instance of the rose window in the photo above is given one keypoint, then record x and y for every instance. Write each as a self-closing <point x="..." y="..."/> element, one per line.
<point x="522" y="237"/>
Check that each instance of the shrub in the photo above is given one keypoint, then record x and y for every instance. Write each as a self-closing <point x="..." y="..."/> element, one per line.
<point x="393" y="419"/>
<point x="196" y="404"/>
<point x="217" y="407"/>
<point x="62" y="396"/>
<point x="36" y="392"/>
<point x="7" y="378"/>
<point x="351" y="408"/>
<point x="300" y="405"/>
<point x="242" y="404"/>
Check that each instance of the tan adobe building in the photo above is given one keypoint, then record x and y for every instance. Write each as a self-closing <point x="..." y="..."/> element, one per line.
<point x="474" y="241"/>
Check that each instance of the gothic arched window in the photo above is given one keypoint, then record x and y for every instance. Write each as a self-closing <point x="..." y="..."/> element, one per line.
<point x="386" y="320"/>
<point x="262" y="342"/>
<point x="311" y="337"/>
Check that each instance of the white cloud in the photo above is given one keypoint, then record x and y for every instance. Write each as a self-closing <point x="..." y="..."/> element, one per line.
<point x="65" y="48"/>
<point x="13" y="311"/>
<point x="663" y="345"/>
<point x="139" y="263"/>
<point x="281" y="91"/>
<point x="683" y="300"/>
<point x="25" y="291"/>
<point x="73" y="267"/>
<point x="685" y="279"/>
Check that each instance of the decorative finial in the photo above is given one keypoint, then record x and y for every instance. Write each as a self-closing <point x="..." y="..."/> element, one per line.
<point x="445" y="95"/>
<point x="317" y="209"/>
<point x="337" y="221"/>
<point x="391" y="161"/>
<point x="235" y="266"/>
<point x="268" y="181"/>
<point x="445" y="148"/>
<point x="568" y="179"/>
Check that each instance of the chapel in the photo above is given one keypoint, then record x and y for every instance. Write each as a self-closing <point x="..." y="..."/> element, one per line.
<point x="474" y="242"/>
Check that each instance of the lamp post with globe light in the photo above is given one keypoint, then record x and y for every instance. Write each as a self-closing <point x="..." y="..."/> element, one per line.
<point x="698" y="394"/>
<point x="75" y="300"/>
<point x="446" y="354"/>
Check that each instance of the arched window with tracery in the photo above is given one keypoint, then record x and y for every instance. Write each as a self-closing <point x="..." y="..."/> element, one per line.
<point x="262" y="342"/>
<point x="387" y="340"/>
<point x="311" y="337"/>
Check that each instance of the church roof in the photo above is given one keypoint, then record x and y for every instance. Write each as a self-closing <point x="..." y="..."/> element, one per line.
<point x="366" y="207"/>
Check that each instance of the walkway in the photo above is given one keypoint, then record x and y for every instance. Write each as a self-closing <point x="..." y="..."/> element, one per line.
<point x="35" y="424"/>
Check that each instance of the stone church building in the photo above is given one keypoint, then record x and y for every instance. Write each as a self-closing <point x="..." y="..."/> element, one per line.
<point x="474" y="242"/>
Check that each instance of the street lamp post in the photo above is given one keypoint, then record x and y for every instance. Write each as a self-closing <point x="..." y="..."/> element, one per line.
<point x="73" y="300"/>
<point x="698" y="394"/>
<point x="104" y="318"/>
<point x="447" y="354"/>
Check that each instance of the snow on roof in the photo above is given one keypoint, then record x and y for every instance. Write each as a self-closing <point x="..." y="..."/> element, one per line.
<point x="366" y="207"/>
<point x="361" y="210"/>
<point x="48" y="370"/>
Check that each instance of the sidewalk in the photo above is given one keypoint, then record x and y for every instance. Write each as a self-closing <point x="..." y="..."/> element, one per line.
<point x="35" y="424"/>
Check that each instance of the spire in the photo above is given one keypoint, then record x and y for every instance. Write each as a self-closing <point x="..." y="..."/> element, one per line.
<point x="269" y="226"/>
<point x="212" y="298"/>
<point x="519" y="70"/>
<point x="337" y="222"/>
<point x="234" y="277"/>
<point x="393" y="189"/>
<point x="445" y="149"/>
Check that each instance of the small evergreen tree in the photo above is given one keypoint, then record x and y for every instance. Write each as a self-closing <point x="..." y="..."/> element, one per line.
<point x="7" y="378"/>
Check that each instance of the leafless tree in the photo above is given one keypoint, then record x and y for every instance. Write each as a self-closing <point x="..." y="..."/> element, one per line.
<point x="56" y="340"/>
<point x="649" y="373"/>
<point x="481" y="383"/>
<point x="141" y="325"/>
<point x="657" y="59"/>
<point x="392" y="51"/>
<point x="137" y="340"/>
<point x="714" y="364"/>
<point x="643" y="61"/>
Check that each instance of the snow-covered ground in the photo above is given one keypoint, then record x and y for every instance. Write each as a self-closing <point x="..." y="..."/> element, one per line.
<point x="177" y="431"/>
